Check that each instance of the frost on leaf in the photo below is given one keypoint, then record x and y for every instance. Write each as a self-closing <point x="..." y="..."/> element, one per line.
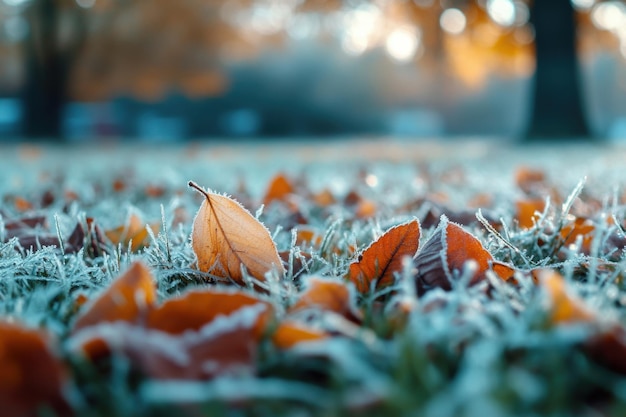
<point x="226" y="237"/>
<point x="447" y="254"/>
<point x="325" y="295"/>
<point x="225" y="345"/>
<point x="31" y="378"/>
<point x="195" y="309"/>
<point x="289" y="334"/>
<point x="125" y="300"/>
<point x="383" y="258"/>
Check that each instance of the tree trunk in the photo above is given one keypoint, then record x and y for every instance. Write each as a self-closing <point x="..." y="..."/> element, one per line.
<point x="45" y="90"/>
<point x="557" y="106"/>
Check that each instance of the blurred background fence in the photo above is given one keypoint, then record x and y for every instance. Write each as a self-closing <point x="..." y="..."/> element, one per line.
<point x="169" y="70"/>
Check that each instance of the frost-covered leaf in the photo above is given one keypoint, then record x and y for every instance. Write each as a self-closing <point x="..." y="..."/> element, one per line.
<point x="127" y="299"/>
<point x="195" y="309"/>
<point x="326" y="295"/>
<point x="383" y="258"/>
<point x="225" y="345"/>
<point x="447" y="254"/>
<point x="226" y="237"/>
<point x="288" y="334"/>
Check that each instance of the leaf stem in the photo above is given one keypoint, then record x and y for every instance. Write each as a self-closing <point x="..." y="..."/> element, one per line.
<point x="198" y="188"/>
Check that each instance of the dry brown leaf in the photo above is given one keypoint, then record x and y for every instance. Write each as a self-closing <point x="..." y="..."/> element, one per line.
<point x="126" y="299"/>
<point x="31" y="377"/>
<point x="226" y="237"/>
<point x="383" y="258"/>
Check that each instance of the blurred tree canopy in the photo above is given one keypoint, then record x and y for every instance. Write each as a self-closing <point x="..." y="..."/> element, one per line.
<point x="93" y="50"/>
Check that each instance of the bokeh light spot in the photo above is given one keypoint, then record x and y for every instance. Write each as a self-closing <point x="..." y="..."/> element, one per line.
<point x="502" y="11"/>
<point x="402" y="44"/>
<point x="453" y="21"/>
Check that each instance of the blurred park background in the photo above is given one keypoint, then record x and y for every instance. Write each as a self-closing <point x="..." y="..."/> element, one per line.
<point x="173" y="70"/>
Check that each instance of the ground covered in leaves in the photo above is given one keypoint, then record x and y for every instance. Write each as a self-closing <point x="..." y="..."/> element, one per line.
<point x="370" y="277"/>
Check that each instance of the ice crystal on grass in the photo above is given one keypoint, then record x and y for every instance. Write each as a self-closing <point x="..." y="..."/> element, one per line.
<point x="485" y="349"/>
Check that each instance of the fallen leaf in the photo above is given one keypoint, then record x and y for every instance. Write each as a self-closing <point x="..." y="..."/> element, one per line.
<point x="564" y="306"/>
<point x="383" y="258"/>
<point x="21" y="204"/>
<point x="32" y="377"/>
<point x="279" y="188"/>
<point x="288" y="334"/>
<point x="579" y="227"/>
<point x="326" y="295"/>
<point x="126" y="299"/>
<point x="446" y="254"/>
<point x="226" y="345"/>
<point x="365" y="209"/>
<point x="528" y="211"/>
<point x="529" y="179"/>
<point x="324" y="198"/>
<point x="195" y="309"/>
<point x="226" y="237"/>
<point x="133" y="232"/>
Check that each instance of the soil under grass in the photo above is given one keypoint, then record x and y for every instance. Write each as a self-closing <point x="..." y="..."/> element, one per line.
<point x="494" y="349"/>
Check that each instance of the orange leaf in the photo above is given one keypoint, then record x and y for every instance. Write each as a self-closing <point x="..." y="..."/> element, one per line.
<point x="197" y="308"/>
<point x="21" y="204"/>
<point x="383" y="258"/>
<point x="528" y="179"/>
<point x="527" y="211"/>
<point x="446" y="253"/>
<point x="134" y="232"/>
<point x="125" y="300"/>
<point x="225" y="345"/>
<point x="329" y="296"/>
<point x="579" y="227"/>
<point x="31" y="377"/>
<point x="226" y="237"/>
<point x="324" y="198"/>
<point x="279" y="188"/>
<point x="289" y="334"/>
<point x="565" y="307"/>
<point x="366" y="209"/>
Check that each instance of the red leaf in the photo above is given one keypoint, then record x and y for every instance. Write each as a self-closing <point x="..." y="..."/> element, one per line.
<point x="383" y="258"/>
<point x="445" y="255"/>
